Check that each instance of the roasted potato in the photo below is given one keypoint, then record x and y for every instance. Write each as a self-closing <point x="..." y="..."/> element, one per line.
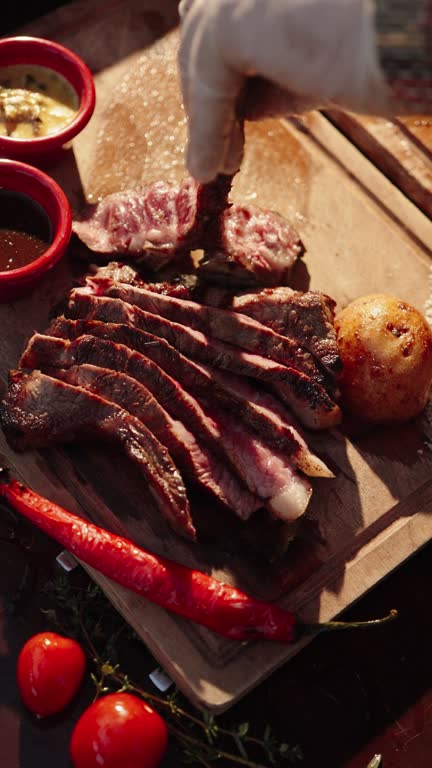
<point x="386" y="348"/>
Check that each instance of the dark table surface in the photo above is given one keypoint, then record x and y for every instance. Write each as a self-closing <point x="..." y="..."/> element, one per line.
<point x="344" y="698"/>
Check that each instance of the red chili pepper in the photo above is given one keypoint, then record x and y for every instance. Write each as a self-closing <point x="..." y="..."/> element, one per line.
<point x="187" y="592"/>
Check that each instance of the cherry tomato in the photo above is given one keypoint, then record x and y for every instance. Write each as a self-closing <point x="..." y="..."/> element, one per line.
<point x="119" y="731"/>
<point x="50" y="670"/>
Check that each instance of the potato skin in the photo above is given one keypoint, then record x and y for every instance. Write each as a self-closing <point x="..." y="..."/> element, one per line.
<point x="386" y="349"/>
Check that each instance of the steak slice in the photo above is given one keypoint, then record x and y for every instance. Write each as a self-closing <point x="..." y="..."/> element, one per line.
<point x="309" y="400"/>
<point x="230" y="390"/>
<point x="307" y="317"/>
<point x="47" y="352"/>
<point x="157" y="223"/>
<point x="127" y="393"/>
<point x="126" y="273"/>
<point x="148" y="224"/>
<point x="258" y="247"/>
<point x="194" y="460"/>
<point x="39" y="410"/>
<point x="243" y="244"/>
<point x="265" y="472"/>
<point x="222" y="324"/>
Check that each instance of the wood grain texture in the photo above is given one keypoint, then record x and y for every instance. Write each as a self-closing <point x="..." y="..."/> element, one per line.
<point x="401" y="148"/>
<point x="362" y="235"/>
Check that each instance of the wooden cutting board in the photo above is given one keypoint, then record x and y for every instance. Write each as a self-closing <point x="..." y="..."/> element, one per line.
<point x="401" y="148"/>
<point x="361" y="234"/>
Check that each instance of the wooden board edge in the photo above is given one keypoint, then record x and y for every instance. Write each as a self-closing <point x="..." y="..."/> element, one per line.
<point x="202" y="684"/>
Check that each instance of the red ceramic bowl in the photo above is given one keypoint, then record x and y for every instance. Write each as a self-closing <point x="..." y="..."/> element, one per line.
<point x="32" y="182"/>
<point x="45" y="53"/>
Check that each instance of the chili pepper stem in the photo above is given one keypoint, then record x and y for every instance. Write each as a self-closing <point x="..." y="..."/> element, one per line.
<point x="331" y="626"/>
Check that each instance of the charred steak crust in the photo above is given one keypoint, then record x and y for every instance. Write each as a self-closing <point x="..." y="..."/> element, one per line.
<point x="222" y="324"/>
<point x="194" y="460"/>
<point x="265" y="472"/>
<point x="314" y="399"/>
<point x="308" y="317"/>
<point x="157" y="224"/>
<point x="39" y="410"/>
<point x="192" y="343"/>
<point x="47" y="352"/>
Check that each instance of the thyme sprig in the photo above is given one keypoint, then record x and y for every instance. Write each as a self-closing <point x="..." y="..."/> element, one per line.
<point x="84" y="613"/>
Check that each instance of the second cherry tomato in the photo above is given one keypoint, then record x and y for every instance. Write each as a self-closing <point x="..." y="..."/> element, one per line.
<point x="50" y="670"/>
<point x="118" y="731"/>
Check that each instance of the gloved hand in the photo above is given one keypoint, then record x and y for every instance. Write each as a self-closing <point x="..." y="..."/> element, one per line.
<point x="307" y="54"/>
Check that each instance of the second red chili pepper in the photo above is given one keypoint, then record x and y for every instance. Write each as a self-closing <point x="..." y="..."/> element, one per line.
<point x="187" y="592"/>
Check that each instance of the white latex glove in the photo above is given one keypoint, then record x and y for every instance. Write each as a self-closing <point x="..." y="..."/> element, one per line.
<point x="311" y="53"/>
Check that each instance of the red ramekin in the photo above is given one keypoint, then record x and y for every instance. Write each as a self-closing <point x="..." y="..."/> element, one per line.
<point x="42" y="189"/>
<point x="43" y="150"/>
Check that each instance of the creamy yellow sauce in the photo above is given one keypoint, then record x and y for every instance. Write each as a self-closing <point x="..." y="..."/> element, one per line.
<point x="34" y="101"/>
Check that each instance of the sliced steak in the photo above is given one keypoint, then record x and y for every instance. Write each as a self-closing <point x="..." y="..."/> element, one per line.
<point x="288" y="498"/>
<point x="39" y="410"/>
<point x="274" y="423"/>
<point x="307" y="317"/>
<point x="207" y="384"/>
<point x="230" y="390"/>
<point x="310" y="401"/>
<point x="222" y="324"/>
<point x="156" y="224"/>
<point x="148" y="224"/>
<point x="195" y="461"/>
<point x="258" y="248"/>
<point x="243" y="244"/>
<point x="125" y="273"/>
<point x="265" y="472"/>
<point x="48" y="353"/>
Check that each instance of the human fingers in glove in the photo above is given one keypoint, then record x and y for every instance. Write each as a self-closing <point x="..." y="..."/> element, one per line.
<point x="244" y="59"/>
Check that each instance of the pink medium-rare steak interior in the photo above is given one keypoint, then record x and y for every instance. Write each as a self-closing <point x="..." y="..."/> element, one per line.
<point x="39" y="410"/>
<point x="242" y="244"/>
<point x="212" y="384"/>
<point x="258" y="247"/>
<point x="194" y="459"/>
<point x="306" y="316"/>
<point x="152" y="224"/>
<point x="266" y="472"/>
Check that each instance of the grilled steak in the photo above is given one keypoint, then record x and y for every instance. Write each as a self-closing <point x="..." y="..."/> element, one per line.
<point x="39" y="411"/>
<point x="288" y="498"/>
<point x="231" y="391"/>
<point x="222" y="324"/>
<point x="155" y="224"/>
<point x="309" y="400"/>
<point x="49" y="353"/>
<point x="243" y="244"/>
<point x="194" y="460"/>
<point x="119" y="272"/>
<point x="265" y="472"/>
<point x="307" y="317"/>
<point x="200" y="380"/>
<point x="258" y="248"/>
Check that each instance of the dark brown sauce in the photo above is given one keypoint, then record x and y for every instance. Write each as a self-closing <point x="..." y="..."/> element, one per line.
<point x="25" y="230"/>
